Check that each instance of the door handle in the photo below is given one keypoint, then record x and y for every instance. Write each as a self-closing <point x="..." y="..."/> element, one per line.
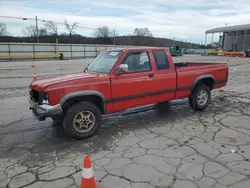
<point x="151" y="75"/>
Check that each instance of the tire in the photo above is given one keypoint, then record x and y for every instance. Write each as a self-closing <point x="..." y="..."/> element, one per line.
<point x="76" y="117"/>
<point x="200" y="98"/>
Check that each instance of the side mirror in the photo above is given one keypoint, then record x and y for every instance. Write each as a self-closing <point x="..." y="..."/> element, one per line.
<point x="123" y="69"/>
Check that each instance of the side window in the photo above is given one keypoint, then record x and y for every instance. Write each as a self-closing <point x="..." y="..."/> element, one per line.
<point x="137" y="62"/>
<point x="161" y="59"/>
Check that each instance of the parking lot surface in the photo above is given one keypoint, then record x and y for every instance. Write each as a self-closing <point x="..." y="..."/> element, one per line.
<point x="141" y="148"/>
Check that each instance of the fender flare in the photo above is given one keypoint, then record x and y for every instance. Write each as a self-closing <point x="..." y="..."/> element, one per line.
<point x="199" y="78"/>
<point x="81" y="94"/>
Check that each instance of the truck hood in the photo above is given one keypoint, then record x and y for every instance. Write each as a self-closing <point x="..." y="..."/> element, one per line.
<point x="43" y="83"/>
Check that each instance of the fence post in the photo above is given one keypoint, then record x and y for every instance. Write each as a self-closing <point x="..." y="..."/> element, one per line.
<point x="9" y="51"/>
<point x="70" y="50"/>
<point x="96" y="51"/>
<point x="55" y="50"/>
<point x="84" y="52"/>
<point x="34" y="51"/>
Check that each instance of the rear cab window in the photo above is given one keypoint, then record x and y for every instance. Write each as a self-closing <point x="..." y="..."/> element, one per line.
<point x="161" y="59"/>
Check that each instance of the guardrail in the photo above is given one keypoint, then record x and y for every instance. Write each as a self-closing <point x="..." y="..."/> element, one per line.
<point x="231" y="54"/>
<point x="29" y="56"/>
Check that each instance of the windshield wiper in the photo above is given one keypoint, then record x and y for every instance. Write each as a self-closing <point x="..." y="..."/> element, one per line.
<point x="86" y="69"/>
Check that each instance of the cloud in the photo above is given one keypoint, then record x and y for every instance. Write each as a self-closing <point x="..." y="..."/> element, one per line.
<point x="83" y="10"/>
<point x="187" y="20"/>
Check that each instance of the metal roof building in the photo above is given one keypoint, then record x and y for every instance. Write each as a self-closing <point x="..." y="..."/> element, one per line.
<point x="232" y="38"/>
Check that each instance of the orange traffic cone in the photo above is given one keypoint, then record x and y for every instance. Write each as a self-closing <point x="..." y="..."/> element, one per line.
<point x="88" y="179"/>
<point x="34" y="77"/>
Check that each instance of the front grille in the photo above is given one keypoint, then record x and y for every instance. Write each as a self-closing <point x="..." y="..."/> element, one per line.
<point x="36" y="96"/>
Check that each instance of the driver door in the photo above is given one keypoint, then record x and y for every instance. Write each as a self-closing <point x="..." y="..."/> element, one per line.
<point x="135" y="87"/>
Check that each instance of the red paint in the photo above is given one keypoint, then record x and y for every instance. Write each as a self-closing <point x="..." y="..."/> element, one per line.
<point x="113" y="86"/>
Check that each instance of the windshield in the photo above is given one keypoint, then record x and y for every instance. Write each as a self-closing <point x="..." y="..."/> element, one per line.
<point x="104" y="62"/>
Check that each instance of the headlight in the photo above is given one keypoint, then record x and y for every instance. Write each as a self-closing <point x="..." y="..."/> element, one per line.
<point x="45" y="98"/>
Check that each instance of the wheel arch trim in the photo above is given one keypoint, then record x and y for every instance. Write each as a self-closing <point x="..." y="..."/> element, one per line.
<point x="82" y="94"/>
<point x="199" y="78"/>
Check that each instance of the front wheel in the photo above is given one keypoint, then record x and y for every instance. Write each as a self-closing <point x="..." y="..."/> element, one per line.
<point x="200" y="98"/>
<point x="82" y="120"/>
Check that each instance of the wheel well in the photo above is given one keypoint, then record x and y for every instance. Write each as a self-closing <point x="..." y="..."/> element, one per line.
<point x="94" y="99"/>
<point x="209" y="82"/>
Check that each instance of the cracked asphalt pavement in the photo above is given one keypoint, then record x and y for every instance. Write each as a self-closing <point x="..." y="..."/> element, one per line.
<point x="142" y="148"/>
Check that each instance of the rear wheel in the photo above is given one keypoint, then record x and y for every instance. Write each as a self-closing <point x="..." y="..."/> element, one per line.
<point x="200" y="98"/>
<point x="82" y="120"/>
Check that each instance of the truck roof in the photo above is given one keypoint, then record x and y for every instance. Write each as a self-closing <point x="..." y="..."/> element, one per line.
<point x="139" y="48"/>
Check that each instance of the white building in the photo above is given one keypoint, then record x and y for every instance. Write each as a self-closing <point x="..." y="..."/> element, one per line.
<point x="232" y="38"/>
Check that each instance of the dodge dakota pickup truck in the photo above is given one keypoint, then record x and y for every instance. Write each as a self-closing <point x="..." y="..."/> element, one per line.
<point x="120" y="79"/>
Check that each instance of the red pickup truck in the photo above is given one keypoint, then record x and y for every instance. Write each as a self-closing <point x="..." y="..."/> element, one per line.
<point x="120" y="79"/>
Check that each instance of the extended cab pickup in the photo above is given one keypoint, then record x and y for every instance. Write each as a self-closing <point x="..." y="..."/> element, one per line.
<point x="120" y="79"/>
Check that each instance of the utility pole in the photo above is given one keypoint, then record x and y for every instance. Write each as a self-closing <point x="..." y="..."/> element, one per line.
<point x="114" y="37"/>
<point x="37" y="32"/>
<point x="200" y="47"/>
<point x="129" y="39"/>
<point x="37" y="37"/>
<point x="173" y="42"/>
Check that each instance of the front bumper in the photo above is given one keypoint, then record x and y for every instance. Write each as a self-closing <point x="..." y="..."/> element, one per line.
<point x="41" y="111"/>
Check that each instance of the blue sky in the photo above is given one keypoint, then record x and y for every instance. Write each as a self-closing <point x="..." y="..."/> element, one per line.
<point x="180" y="19"/>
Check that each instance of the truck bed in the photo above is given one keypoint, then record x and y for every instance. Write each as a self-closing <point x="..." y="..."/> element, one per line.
<point x="193" y="64"/>
<point x="189" y="72"/>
